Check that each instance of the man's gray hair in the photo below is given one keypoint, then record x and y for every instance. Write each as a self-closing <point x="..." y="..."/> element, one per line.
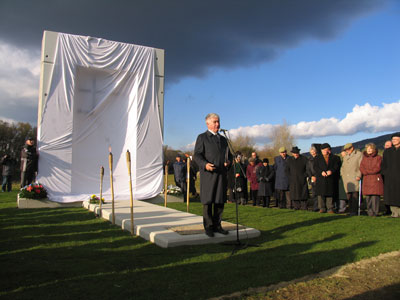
<point x="211" y="115"/>
<point x="313" y="149"/>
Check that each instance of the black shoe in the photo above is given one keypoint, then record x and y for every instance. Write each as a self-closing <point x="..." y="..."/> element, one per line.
<point x="209" y="233"/>
<point x="222" y="231"/>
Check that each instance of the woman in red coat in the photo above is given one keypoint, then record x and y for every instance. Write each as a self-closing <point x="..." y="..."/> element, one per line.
<point x="372" y="185"/>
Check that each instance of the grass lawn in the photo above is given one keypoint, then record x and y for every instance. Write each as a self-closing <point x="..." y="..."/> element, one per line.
<point x="69" y="254"/>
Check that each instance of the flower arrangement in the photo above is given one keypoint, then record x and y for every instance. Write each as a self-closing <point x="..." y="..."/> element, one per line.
<point x="33" y="191"/>
<point x="95" y="200"/>
<point x="174" y="190"/>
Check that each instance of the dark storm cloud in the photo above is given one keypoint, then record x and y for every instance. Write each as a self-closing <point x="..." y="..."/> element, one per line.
<point x="197" y="35"/>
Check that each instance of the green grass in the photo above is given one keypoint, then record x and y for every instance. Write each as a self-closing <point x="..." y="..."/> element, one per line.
<point x="67" y="253"/>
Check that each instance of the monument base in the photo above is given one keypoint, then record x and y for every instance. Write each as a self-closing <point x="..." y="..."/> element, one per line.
<point x="44" y="203"/>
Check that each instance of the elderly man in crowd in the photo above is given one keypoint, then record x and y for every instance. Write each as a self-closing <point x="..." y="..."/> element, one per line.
<point x="282" y="193"/>
<point x="351" y="175"/>
<point x="312" y="178"/>
<point x="296" y="170"/>
<point x="391" y="171"/>
<point x="326" y="167"/>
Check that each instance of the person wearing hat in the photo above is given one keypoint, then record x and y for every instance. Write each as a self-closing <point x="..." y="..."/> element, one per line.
<point x="391" y="171"/>
<point x="351" y="176"/>
<point x="282" y="194"/>
<point x="296" y="170"/>
<point x="326" y="166"/>
<point x="251" y="173"/>
<point x="29" y="162"/>
<point x="265" y="177"/>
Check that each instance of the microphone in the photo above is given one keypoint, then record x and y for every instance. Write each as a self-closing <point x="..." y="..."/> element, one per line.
<point x="223" y="130"/>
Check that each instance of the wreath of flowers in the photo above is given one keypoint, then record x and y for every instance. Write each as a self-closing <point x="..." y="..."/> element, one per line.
<point x="33" y="191"/>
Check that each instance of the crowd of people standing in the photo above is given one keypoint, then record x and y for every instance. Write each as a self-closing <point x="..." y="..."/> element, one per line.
<point x="323" y="182"/>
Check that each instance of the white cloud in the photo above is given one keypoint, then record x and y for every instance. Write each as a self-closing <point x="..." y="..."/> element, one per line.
<point x="19" y="80"/>
<point x="364" y="118"/>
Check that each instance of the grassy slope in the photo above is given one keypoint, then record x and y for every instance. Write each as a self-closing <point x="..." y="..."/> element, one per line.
<point x="68" y="253"/>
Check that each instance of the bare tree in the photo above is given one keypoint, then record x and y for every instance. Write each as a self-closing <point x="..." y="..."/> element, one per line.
<point x="244" y="144"/>
<point x="280" y="137"/>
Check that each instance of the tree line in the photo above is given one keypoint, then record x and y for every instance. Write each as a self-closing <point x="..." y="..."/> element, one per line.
<point x="280" y="137"/>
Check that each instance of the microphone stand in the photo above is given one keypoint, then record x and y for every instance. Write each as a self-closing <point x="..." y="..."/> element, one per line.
<point x="237" y="244"/>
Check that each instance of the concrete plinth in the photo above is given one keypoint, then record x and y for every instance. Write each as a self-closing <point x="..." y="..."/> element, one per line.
<point x="44" y="203"/>
<point x="164" y="226"/>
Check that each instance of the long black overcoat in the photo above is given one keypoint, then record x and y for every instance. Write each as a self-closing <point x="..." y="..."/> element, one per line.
<point x="327" y="186"/>
<point x="296" y="170"/>
<point x="265" y="178"/>
<point x="210" y="149"/>
<point x="281" y="179"/>
<point x="391" y="172"/>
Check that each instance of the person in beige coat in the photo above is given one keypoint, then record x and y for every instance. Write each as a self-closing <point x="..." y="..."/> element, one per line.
<point x="351" y="175"/>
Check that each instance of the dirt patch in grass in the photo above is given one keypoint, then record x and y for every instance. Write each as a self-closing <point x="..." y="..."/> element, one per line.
<point x="374" y="278"/>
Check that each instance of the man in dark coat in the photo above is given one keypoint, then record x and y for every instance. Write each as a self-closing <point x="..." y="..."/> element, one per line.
<point x="7" y="170"/>
<point x="265" y="176"/>
<point x="29" y="162"/>
<point x="391" y="171"/>
<point x="212" y="155"/>
<point x="180" y="170"/>
<point x="296" y="170"/>
<point x="312" y="178"/>
<point x="281" y="180"/>
<point x="326" y="166"/>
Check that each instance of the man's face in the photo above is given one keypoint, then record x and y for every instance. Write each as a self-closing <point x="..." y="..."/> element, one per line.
<point x="396" y="141"/>
<point x="265" y="164"/>
<point x="178" y="159"/>
<point x="325" y="151"/>
<point x="213" y="124"/>
<point x="343" y="153"/>
<point x="254" y="155"/>
<point x="350" y="150"/>
<point x="283" y="154"/>
<point x="313" y="153"/>
<point x="296" y="155"/>
<point x="30" y="142"/>
<point x="388" y="144"/>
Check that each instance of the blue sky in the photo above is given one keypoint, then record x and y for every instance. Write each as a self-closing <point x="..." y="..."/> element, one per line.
<point x="330" y="69"/>
<point x="317" y="79"/>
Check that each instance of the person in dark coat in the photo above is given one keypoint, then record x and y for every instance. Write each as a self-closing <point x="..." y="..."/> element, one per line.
<point x="388" y="144"/>
<point x="7" y="171"/>
<point x="326" y="166"/>
<point x="212" y="155"/>
<point x="391" y="171"/>
<point x="281" y="180"/>
<point x="372" y="183"/>
<point x="252" y="177"/>
<point x="239" y="180"/>
<point x="312" y="178"/>
<point x="296" y="170"/>
<point x="29" y="162"/>
<point x="180" y="170"/>
<point x="265" y="177"/>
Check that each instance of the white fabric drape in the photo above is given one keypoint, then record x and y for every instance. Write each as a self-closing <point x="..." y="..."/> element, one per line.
<point x="102" y="95"/>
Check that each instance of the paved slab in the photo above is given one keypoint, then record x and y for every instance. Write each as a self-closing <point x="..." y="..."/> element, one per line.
<point x="155" y="223"/>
